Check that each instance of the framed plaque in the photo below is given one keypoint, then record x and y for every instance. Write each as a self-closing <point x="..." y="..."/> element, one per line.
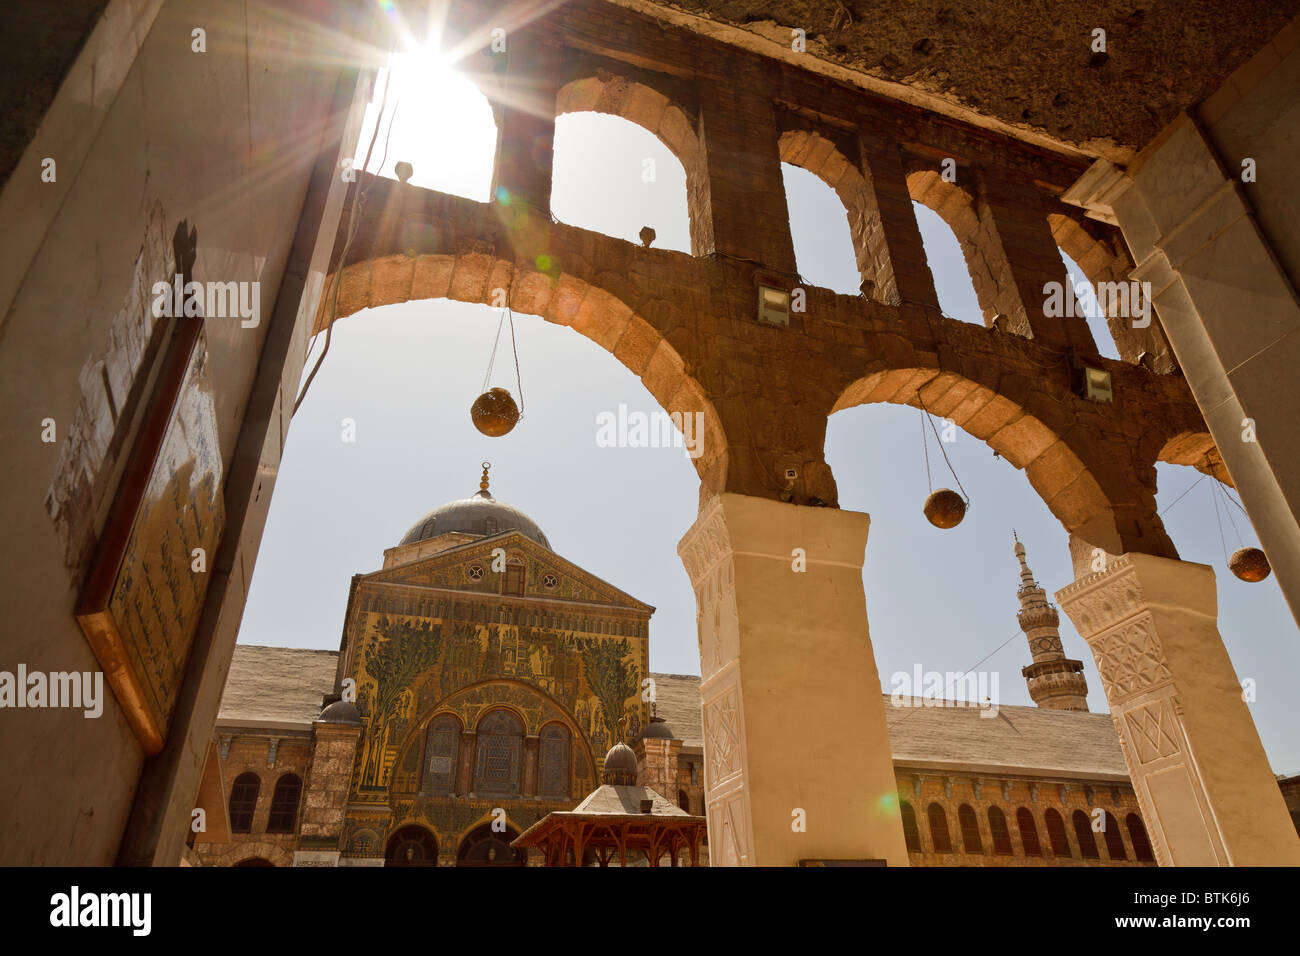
<point x="144" y="593"/>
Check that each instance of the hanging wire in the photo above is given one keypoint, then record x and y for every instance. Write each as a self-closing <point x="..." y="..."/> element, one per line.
<point x="1167" y="507"/>
<point x="1228" y="511"/>
<point x="1219" y="522"/>
<point x="930" y="418"/>
<point x="507" y="313"/>
<point x="1018" y="633"/>
<point x="925" y="447"/>
<point x="360" y="201"/>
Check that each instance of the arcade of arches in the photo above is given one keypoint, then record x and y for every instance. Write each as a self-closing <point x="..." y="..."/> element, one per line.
<point x="731" y="108"/>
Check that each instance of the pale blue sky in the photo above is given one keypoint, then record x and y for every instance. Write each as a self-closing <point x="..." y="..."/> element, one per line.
<point x="408" y="373"/>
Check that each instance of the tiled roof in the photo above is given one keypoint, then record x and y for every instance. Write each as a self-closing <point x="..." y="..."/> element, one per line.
<point x="1018" y="739"/>
<point x="608" y="798"/>
<point x="284" y="684"/>
<point x="677" y="701"/>
<point x="277" y="684"/>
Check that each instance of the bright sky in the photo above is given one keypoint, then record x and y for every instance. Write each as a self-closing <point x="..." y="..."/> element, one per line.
<point x="406" y="374"/>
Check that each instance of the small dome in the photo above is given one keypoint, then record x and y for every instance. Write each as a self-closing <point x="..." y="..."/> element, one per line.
<point x="340" y="712"/>
<point x="658" y="727"/>
<point x="620" y="766"/>
<point x="480" y="514"/>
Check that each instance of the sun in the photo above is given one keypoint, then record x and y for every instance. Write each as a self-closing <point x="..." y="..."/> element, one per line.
<point x="434" y="118"/>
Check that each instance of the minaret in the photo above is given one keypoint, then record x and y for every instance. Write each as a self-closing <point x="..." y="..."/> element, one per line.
<point x="1055" y="682"/>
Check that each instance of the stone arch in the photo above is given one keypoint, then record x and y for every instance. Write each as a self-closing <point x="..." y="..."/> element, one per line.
<point x="563" y="299"/>
<point x="1105" y="260"/>
<point x="986" y="260"/>
<point x="1054" y="469"/>
<point x="810" y="150"/>
<point x="1197" y="450"/>
<point x="654" y="112"/>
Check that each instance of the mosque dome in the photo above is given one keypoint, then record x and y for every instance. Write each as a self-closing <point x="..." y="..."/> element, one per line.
<point x="480" y="514"/>
<point x="620" y="766"/>
<point x="340" y="712"/>
<point x="659" y="728"/>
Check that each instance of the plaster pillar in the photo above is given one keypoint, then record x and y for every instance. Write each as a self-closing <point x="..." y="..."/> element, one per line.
<point x="793" y="715"/>
<point x="1230" y="313"/>
<point x="1207" y="794"/>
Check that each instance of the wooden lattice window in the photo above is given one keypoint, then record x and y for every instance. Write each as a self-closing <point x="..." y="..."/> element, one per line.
<point x="939" y="829"/>
<point x="284" y="804"/>
<point x="970" y="829"/>
<point x="1001" y="835"/>
<point x="514" y="582"/>
<point x="243" y="801"/>
<point x="442" y="746"/>
<point x="553" y="761"/>
<point x="500" y="744"/>
<point x="1056" y="833"/>
<point x="1028" y="832"/>
<point x="1138" y="834"/>
<point x="911" y="834"/>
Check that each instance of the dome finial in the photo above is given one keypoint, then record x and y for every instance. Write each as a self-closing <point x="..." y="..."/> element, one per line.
<point x="483" y="482"/>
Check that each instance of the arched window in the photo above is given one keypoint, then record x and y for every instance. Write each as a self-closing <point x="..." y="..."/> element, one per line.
<point x="500" y="742"/>
<point x="819" y="231"/>
<point x="939" y="829"/>
<point x="1114" y="839"/>
<point x="243" y="801"/>
<point x="441" y="748"/>
<point x="1056" y="833"/>
<point x="1028" y="832"/>
<point x="684" y="800"/>
<point x="553" y="774"/>
<point x="411" y="846"/>
<point x="284" y="804"/>
<point x="970" y="829"/>
<point x="1138" y="834"/>
<point x="615" y="177"/>
<point x="1083" y="833"/>
<point x="254" y="861"/>
<point x="910" y="833"/>
<point x="1001" y="835"/>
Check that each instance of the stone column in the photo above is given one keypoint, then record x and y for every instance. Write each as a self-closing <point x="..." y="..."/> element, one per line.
<point x="523" y="103"/>
<point x="1230" y="313"/>
<point x="1012" y="214"/>
<point x="1203" y="782"/>
<point x="656" y="761"/>
<point x="893" y="239"/>
<point x="325" y="792"/>
<point x="465" y="759"/>
<point x="530" y="765"/>
<point x="793" y="712"/>
<point x="739" y="208"/>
